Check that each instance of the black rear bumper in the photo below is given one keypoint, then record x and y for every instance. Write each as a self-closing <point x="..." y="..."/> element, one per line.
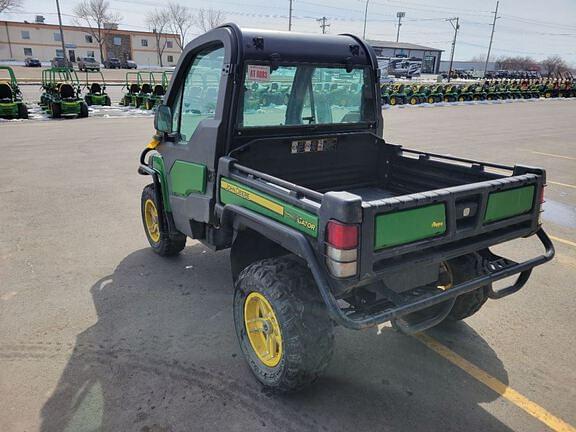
<point x="496" y="270"/>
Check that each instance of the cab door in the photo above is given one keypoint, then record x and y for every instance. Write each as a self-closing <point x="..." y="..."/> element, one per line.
<point x="189" y="153"/>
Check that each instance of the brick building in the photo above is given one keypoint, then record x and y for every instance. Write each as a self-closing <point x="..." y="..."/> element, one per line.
<point x="19" y="40"/>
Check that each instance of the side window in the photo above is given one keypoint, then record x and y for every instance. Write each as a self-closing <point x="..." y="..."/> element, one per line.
<point x="199" y="95"/>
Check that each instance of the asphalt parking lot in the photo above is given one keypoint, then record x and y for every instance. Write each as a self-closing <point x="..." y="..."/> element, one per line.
<point x="97" y="333"/>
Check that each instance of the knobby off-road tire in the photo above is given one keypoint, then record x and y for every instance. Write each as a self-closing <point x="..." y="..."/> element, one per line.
<point x="466" y="305"/>
<point x="164" y="244"/>
<point x="56" y="110"/>
<point x="83" y="110"/>
<point x="306" y="331"/>
<point x="22" y="111"/>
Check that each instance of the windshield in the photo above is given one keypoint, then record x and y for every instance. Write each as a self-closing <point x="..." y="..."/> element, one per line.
<point x="305" y="95"/>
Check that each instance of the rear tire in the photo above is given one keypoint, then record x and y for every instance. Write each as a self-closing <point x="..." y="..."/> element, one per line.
<point x="302" y="330"/>
<point x="164" y="244"/>
<point x="56" y="110"/>
<point x="83" y="110"/>
<point x="22" y="111"/>
<point x="466" y="305"/>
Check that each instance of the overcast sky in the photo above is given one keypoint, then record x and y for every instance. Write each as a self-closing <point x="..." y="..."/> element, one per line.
<point x="526" y="27"/>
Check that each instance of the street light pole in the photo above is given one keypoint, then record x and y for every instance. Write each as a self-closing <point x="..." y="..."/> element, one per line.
<point x="365" y="18"/>
<point x="456" y="27"/>
<point x="61" y="32"/>
<point x="399" y="15"/>
<point x="290" y="17"/>
<point x="491" y="38"/>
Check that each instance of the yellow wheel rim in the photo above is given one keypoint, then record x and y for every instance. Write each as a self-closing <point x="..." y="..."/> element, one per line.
<point x="151" y="219"/>
<point x="263" y="329"/>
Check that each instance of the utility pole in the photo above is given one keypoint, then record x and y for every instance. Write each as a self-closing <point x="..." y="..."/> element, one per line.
<point x="456" y="27"/>
<point x="365" y="18"/>
<point x="323" y="25"/>
<point x="399" y="15"/>
<point x="290" y="17"/>
<point x="61" y="32"/>
<point x="491" y="38"/>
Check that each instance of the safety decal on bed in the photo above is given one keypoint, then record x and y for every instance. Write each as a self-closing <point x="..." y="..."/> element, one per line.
<point x="313" y="145"/>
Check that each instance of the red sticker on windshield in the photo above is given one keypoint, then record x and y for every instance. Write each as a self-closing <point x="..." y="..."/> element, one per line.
<point x="258" y="73"/>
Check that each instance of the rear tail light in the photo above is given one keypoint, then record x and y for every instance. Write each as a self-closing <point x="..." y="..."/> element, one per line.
<point x="342" y="249"/>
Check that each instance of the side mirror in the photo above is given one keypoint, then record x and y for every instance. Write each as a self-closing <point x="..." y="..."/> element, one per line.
<point x="163" y="119"/>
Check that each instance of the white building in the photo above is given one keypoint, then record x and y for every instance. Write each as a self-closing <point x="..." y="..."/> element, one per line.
<point x="19" y="40"/>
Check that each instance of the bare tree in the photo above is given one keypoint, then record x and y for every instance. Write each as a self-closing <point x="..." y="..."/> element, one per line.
<point x="10" y="5"/>
<point x="97" y="16"/>
<point x="181" y="20"/>
<point x="480" y="58"/>
<point x="207" y="19"/>
<point x="517" y="63"/>
<point x="157" y="21"/>
<point x="554" y="65"/>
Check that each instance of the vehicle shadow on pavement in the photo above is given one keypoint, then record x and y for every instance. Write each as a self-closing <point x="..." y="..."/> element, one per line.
<point x="163" y="356"/>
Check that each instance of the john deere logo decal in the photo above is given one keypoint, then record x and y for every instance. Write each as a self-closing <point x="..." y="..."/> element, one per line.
<point x="255" y="198"/>
<point x="439" y="224"/>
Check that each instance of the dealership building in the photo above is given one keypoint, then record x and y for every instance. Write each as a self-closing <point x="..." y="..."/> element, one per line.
<point x="430" y="57"/>
<point x="19" y="40"/>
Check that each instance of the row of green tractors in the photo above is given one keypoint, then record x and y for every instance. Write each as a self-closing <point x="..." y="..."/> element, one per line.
<point x="64" y="95"/>
<point x="413" y="94"/>
<point x="145" y="90"/>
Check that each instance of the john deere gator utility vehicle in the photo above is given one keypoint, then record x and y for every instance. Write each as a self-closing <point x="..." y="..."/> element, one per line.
<point x="61" y="96"/>
<point x="11" y="104"/>
<point x="96" y="89"/>
<point x="132" y="85"/>
<point x="327" y="223"/>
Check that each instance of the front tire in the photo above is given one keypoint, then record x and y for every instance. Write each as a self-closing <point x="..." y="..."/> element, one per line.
<point x="282" y="324"/>
<point x="163" y="243"/>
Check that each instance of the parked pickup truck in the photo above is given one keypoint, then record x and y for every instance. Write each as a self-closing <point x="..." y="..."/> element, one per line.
<point x="328" y="224"/>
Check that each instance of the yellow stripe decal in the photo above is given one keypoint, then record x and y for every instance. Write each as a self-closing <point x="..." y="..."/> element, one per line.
<point x="561" y="240"/>
<point x="561" y="184"/>
<point x="247" y="195"/>
<point x="532" y="408"/>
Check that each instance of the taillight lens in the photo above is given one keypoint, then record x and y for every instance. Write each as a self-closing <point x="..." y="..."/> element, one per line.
<point x="342" y="249"/>
<point x="342" y="236"/>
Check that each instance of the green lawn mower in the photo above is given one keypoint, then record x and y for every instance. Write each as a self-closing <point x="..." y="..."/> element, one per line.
<point x="397" y="95"/>
<point x="159" y="83"/>
<point x="133" y="84"/>
<point x="11" y="104"/>
<point x="431" y="93"/>
<point x="451" y="92"/>
<point x="96" y="90"/>
<point x="61" y="96"/>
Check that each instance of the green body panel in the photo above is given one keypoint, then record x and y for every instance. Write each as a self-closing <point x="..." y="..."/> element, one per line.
<point x="232" y="192"/>
<point x="409" y="225"/>
<point x="9" y="109"/>
<point x="70" y="107"/>
<point x="158" y="166"/>
<point x="97" y="99"/>
<point x="187" y="178"/>
<point x="513" y="202"/>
